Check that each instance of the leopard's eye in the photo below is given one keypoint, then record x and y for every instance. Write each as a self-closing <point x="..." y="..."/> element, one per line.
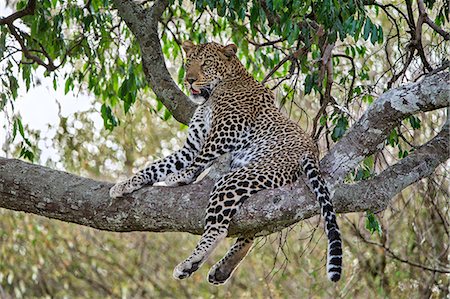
<point x="207" y="63"/>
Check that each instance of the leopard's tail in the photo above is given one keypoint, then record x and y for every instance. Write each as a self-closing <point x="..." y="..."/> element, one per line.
<point x="334" y="257"/>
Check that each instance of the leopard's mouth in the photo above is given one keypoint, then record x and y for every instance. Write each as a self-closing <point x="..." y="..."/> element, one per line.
<point x="195" y="91"/>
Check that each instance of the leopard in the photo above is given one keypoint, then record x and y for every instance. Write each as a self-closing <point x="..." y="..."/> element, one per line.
<point x="238" y="116"/>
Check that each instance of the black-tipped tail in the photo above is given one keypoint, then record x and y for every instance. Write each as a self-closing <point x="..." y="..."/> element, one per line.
<point x="334" y="256"/>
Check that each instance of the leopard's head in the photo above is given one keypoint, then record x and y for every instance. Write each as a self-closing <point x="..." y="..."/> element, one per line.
<point x="207" y="65"/>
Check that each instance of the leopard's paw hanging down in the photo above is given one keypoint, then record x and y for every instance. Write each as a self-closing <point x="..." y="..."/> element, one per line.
<point x="185" y="269"/>
<point x="238" y="115"/>
<point x="222" y="271"/>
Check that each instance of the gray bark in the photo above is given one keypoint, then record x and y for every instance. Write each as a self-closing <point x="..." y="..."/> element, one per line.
<point x="368" y="135"/>
<point x="60" y="195"/>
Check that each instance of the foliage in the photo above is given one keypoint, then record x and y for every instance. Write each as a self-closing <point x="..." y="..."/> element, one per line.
<point x="89" y="48"/>
<point x="372" y="223"/>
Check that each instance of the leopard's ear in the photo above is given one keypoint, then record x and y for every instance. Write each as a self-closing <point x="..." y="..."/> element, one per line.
<point x="187" y="46"/>
<point x="229" y="50"/>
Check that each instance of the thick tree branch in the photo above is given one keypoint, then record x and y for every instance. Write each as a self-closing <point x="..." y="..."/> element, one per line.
<point x="60" y="195"/>
<point x="368" y="135"/>
<point x="144" y="25"/>
<point x="55" y="194"/>
<point x="421" y="163"/>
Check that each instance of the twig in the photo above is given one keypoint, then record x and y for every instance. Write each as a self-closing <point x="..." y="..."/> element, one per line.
<point x="426" y="19"/>
<point x="418" y="35"/>
<point x="405" y="67"/>
<point x="294" y="55"/>
<point x="49" y="66"/>
<point x="28" y="10"/>
<point x="326" y="66"/>
<point x="400" y="259"/>
<point x="353" y="71"/>
<point x="265" y="44"/>
<point x="385" y="6"/>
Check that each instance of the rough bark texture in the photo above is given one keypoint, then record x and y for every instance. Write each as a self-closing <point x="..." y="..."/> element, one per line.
<point x="55" y="194"/>
<point x="370" y="132"/>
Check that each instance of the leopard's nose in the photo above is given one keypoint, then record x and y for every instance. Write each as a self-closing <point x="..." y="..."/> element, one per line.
<point x="191" y="80"/>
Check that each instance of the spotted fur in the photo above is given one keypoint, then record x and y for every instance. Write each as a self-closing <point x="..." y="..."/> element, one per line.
<point x="238" y="115"/>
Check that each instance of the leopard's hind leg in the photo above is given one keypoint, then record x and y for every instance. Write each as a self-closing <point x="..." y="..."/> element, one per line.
<point x="223" y="270"/>
<point x="226" y="198"/>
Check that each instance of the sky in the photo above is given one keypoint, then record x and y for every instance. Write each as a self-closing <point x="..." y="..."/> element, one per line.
<point x="38" y="107"/>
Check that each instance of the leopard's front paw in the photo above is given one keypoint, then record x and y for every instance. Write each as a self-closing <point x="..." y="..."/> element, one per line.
<point x="120" y="189"/>
<point x="186" y="268"/>
<point x="176" y="179"/>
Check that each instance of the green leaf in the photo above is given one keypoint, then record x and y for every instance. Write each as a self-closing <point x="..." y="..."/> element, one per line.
<point x="402" y="153"/>
<point x="14" y="133"/>
<point x="159" y="105"/>
<point x="372" y="224"/>
<point x="323" y="120"/>
<point x="27" y="154"/>
<point x="109" y="120"/>
<point x="309" y="81"/>
<point x="13" y="86"/>
<point x="414" y="122"/>
<point x="3" y="101"/>
<point x="20" y="126"/>
<point x="393" y="138"/>
<point x="367" y="98"/>
<point x="26" y="75"/>
<point x="369" y="162"/>
<point x="340" y="128"/>
<point x="277" y="4"/>
<point x="181" y="73"/>
<point x="127" y="103"/>
<point x="367" y="28"/>
<point x="241" y="13"/>
<point x="166" y="115"/>
<point x="293" y="35"/>
<point x="68" y="85"/>
<point x="374" y="35"/>
<point x="380" y="35"/>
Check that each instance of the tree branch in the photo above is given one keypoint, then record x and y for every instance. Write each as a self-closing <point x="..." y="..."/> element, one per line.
<point x="28" y="10"/>
<point x="294" y="55"/>
<point x="60" y="195"/>
<point x="27" y="53"/>
<point x="368" y="135"/>
<point x="426" y="19"/>
<point x="144" y="25"/>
